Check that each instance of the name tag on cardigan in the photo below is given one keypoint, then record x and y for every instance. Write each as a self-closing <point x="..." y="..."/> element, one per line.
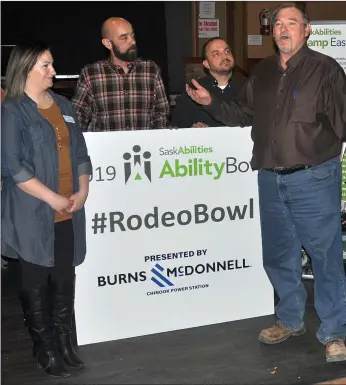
<point x="69" y="119"/>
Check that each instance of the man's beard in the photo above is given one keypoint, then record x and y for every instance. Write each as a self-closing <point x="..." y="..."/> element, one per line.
<point x="129" y="55"/>
<point x="222" y="71"/>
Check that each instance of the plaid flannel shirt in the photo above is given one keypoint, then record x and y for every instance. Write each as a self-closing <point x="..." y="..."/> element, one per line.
<point x="108" y="99"/>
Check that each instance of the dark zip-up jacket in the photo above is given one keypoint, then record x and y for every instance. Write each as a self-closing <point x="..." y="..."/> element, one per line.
<point x="187" y="112"/>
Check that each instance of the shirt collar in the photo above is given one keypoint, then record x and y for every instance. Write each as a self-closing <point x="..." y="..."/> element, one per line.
<point x="215" y="82"/>
<point x="118" y="69"/>
<point x="295" y="59"/>
<point x="26" y="98"/>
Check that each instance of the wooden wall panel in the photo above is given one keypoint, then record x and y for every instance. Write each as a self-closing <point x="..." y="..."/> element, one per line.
<point x="221" y="14"/>
<point x="326" y="10"/>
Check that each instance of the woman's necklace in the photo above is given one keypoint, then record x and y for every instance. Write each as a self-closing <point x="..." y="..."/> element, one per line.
<point x="56" y="126"/>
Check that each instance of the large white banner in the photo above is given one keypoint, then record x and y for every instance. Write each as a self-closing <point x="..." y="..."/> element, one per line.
<point x="329" y="38"/>
<point x="173" y="234"/>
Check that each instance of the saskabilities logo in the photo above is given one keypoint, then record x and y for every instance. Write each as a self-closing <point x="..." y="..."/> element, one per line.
<point x="137" y="163"/>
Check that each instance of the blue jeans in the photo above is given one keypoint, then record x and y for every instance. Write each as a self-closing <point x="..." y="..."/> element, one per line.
<point x="303" y="208"/>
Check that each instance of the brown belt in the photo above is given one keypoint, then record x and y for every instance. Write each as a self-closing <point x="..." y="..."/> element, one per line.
<point x="285" y="171"/>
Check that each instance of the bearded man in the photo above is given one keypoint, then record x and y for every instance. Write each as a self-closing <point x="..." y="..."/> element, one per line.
<point x="123" y="93"/>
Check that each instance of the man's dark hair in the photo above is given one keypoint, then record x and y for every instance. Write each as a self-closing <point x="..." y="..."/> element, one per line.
<point x="298" y="5"/>
<point x="204" y="48"/>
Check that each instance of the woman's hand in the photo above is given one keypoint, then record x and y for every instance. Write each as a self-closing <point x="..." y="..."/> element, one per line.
<point x="77" y="201"/>
<point x="59" y="203"/>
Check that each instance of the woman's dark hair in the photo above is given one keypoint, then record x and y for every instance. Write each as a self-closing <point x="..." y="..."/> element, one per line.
<point x="22" y="60"/>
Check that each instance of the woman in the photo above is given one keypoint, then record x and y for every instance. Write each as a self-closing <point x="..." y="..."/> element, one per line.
<point x="45" y="168"/>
